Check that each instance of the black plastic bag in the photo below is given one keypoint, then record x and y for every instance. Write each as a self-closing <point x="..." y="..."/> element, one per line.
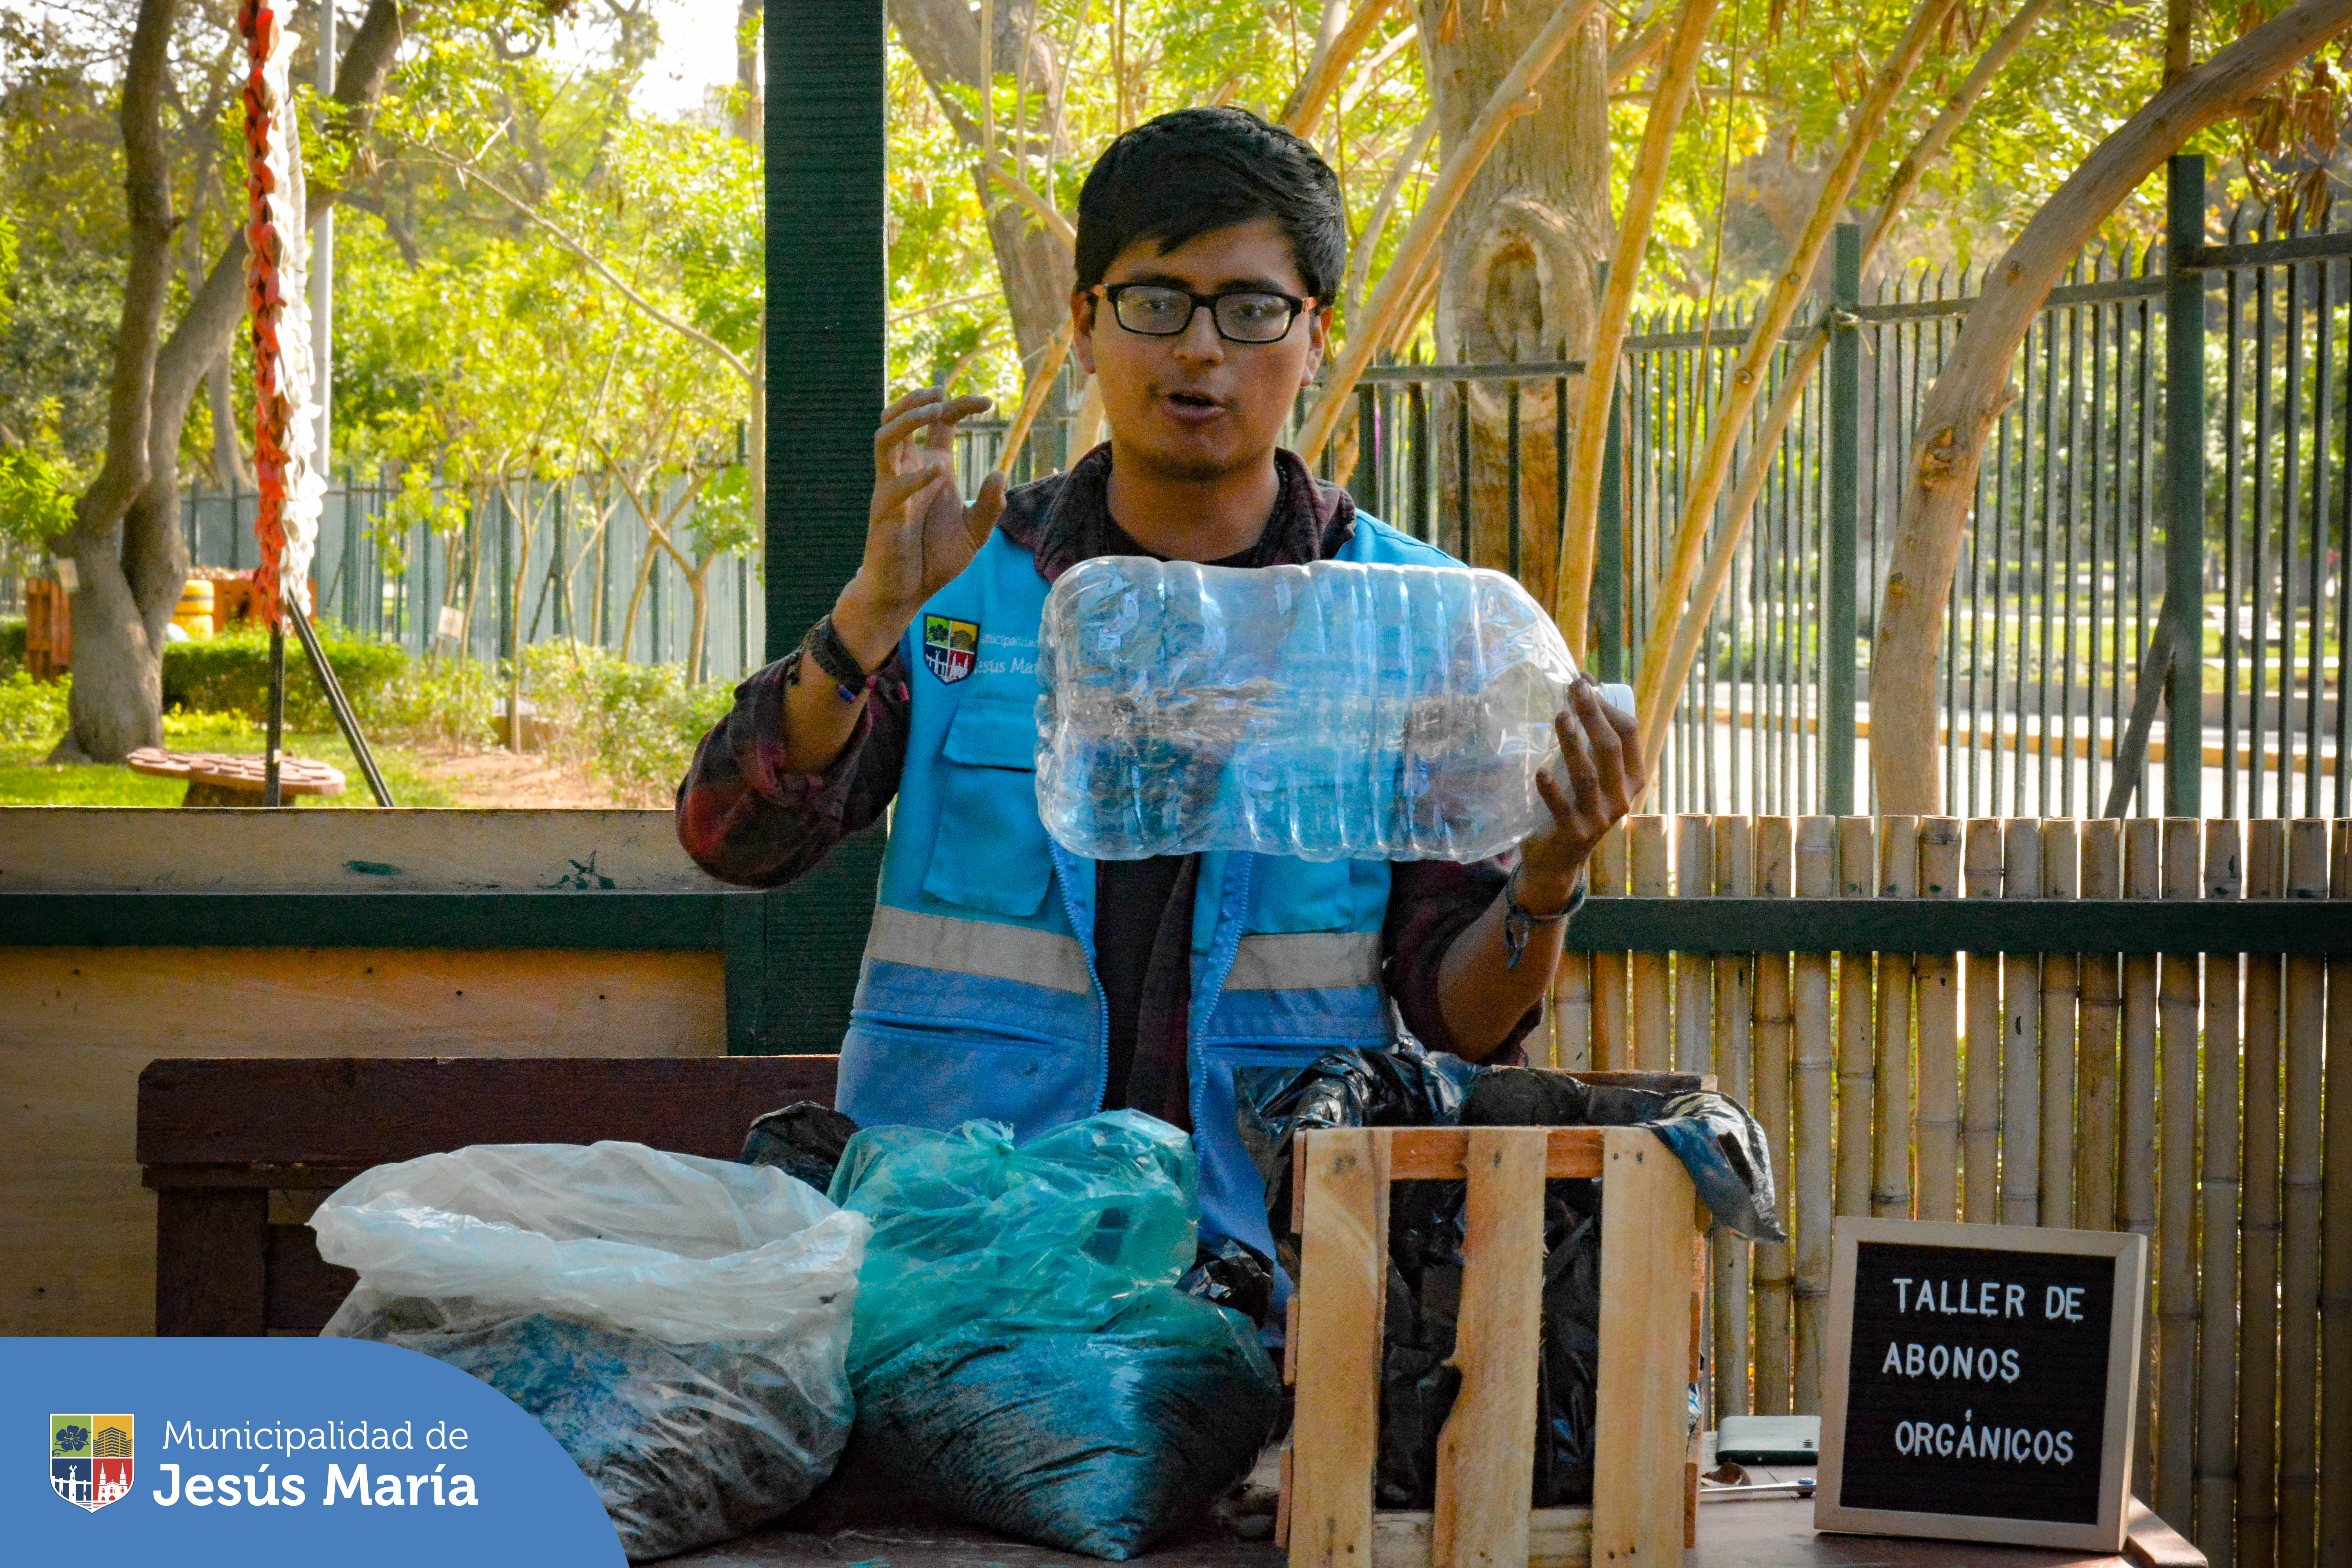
<point x="804" y="1141"/>
<point x="1717" y="1141"/>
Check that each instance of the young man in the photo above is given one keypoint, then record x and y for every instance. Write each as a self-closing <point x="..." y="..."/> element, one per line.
<point x="1005" y="977"/>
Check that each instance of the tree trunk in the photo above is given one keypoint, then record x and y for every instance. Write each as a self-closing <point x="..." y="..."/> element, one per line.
<point x="1974" y="385"/>
<point x="943" y="38"/>
<point x="1519" y="265"/>
<point x="116" y="701"/>
<point x="229" y="465"/>
<point x="126" y="543"/>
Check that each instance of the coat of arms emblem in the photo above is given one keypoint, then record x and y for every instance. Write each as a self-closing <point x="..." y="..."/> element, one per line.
<point x="91" y="1458"/>
<point x="949" y="646"/>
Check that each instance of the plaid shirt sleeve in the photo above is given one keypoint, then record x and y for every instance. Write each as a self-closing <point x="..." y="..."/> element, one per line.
<point x="1431" y="904"/>
<point x="744" y="819"/>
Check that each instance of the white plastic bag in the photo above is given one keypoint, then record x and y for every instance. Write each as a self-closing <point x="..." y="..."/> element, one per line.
<point x="679" y="1324"/>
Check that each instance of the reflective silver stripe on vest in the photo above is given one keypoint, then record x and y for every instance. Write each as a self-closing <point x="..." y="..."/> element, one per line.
<point x="979" y="947"/>
<point x="1308" y="961"/>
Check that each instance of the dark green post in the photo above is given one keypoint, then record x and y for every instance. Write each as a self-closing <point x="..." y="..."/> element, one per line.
<point x="1838" y="587"/>
<point x="825" y="293"/>
<point x="2184" y="473"/>
<point x="1608" y="617"/>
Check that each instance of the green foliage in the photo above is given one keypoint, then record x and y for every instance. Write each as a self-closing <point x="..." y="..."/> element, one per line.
<point x="12" y="644"/>
<point x="634" y="725"/>
<point x="452" y="701"/>
<point x="32" y="712"/>
<point x="230" y="674"/>
<point x="39" y="483"/>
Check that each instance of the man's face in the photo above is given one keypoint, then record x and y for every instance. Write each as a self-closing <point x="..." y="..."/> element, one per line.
<point x="1195" y="407"/>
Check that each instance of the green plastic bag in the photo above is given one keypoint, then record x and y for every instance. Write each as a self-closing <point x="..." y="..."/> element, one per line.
<point x="1021" y="1351"/>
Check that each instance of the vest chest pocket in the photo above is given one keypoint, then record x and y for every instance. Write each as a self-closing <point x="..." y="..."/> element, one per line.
<point x="991" y="852"/>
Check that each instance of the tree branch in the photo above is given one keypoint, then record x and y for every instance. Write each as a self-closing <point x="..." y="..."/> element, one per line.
<point x="1727" y="422"/>
<point x="147" y="190"/>
<point x="595" y="264"/>
<point x="1303" y="107"/>
<point x="1578" y="531"/>
<point x="1513" y="97"/>
<point x="1971" y="389"/>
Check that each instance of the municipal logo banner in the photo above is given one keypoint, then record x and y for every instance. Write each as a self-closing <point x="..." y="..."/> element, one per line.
<point x="949" y="646"/>
<point x="91" y="1458"/>
<point x="250" y="1453"/>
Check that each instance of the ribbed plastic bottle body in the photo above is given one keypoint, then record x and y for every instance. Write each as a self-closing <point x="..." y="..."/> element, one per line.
<point x="1329" y="711"/>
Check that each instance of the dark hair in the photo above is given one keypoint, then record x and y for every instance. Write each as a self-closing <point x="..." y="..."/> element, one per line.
<point x="1186" y="173"/>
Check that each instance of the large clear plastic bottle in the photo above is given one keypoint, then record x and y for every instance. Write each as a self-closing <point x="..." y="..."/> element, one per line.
<point x="1332" y="710"/>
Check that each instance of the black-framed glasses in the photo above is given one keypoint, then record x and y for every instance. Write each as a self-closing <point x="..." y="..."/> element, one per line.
<point x="1243" y="316"/>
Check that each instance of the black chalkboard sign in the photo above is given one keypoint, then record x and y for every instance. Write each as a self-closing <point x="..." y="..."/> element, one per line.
<point x="1979" y="1381"/>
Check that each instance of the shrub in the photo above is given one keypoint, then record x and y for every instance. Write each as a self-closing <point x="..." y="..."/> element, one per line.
<point x="12" y="644"/>
<point x="634" y="725"/>
<point x="230" y="674"/>
<point x="450" y="701"/>
<point x="32" y="712"/>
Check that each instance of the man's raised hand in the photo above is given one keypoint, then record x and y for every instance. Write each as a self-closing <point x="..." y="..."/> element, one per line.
<point x="919" y="533"/>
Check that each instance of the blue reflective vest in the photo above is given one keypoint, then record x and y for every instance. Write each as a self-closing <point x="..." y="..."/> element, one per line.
<point x="979" y="996"/>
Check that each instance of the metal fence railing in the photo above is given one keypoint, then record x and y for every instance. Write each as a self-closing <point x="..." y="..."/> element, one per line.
<point x="578" y="555"/>
<point x="2061" y="581"/>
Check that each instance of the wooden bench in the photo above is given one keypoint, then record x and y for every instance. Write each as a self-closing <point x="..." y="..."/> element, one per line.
<point x="240" y="1152"/>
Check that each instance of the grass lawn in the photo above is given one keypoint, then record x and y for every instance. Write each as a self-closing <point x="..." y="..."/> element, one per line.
<point x="25" y="780"/>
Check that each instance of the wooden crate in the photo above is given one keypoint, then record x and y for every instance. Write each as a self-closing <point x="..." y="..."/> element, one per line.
<point x="1486" y="1459"/>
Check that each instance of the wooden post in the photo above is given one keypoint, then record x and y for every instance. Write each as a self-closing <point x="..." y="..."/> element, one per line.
<point x="2258" y="1230"/>
<point x="1572" y="1013"/>
<point x="2100" y="1033"/>
<point x="1735" y="1002"/>
<point x="1938" y="1120"/>
<point x="1775" y="1032"/>
<point x="1857" y="862"/>
<point x="1694" y="972"/>
<point x="2021" y="1038"/>
<point x="1898" y="878"/>
<point x="1611" y="1032"/>
<point x="2176" y="1328"/>
<point x="1486" y="1454"/>
<point x="2143" y="877"/>
<point x="1343" y="1268"/>
<point x="1813" y="1130"/>
<point x="2335" y="1245"/>
<point x="1981" y="1124"/>
<point x="1653" y="991"/>
<point x="2217" y="1295"/>
<point x="2060" y="982"/>
<point x="2306" y="1013"/>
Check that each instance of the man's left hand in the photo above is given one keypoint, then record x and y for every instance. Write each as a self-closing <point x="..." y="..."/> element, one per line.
<point x="1599" y="779"/>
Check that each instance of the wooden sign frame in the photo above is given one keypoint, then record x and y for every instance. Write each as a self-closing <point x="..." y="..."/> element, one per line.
<point x="2126" y="1330"/>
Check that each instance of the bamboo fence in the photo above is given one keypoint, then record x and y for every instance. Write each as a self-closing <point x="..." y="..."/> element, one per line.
<point x="2190" y="1097"/>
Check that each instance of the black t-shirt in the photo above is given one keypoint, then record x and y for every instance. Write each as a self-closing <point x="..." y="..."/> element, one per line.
<point x="1137" y="910"/>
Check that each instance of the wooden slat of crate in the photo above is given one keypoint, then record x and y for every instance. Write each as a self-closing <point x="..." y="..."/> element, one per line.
<point x="1638" y="1520"/>
<point x="1343" y="1194"/>
<point x="1486" y="1454"/>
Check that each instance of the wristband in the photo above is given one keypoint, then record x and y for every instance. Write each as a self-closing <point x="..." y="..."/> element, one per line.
<point x="823" y="647"/>
<point x="1519" y="922"/>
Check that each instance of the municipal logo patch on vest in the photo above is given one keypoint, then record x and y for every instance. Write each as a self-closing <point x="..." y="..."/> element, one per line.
<point x="949" y="647"/>
<point x="90" y="1459"/>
